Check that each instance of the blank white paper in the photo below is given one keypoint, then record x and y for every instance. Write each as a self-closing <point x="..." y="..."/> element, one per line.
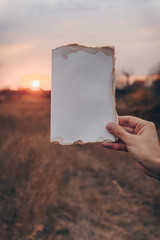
<point x="82" y="94"/>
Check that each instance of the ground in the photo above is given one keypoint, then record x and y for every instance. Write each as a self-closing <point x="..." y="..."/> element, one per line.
<point x="77" y="192"/>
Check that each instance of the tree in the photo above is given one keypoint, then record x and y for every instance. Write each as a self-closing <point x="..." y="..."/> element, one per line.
<point x="127" y="75"/>
<point x="155" y="70"/>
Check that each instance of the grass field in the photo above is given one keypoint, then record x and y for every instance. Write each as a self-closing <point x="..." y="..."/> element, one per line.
<point x="77" y="192"/>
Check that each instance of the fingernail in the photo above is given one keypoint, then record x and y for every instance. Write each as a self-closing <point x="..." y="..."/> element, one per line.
<point x="110" y="126"/>
<point x="107" y="144"/>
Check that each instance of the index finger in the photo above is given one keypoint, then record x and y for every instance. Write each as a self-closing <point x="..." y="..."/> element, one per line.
<point x="129" y="121"/>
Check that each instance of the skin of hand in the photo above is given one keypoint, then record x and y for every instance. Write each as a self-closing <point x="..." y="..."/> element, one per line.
<point x="139" y="138"/>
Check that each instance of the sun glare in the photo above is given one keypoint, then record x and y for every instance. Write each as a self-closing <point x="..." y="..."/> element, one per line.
<point x="35" y="84"/>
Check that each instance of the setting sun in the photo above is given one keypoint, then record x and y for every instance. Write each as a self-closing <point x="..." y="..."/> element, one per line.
<point x="35" y="84"/>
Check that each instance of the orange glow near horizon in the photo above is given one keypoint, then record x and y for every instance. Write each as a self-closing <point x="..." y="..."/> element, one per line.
<point x="35" y="82"/>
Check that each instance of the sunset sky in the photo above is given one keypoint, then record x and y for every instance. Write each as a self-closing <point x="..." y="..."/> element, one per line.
<point x="29" y="29"/>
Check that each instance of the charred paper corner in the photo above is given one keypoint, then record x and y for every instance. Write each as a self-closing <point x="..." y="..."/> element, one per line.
<point x="83" y="94"/>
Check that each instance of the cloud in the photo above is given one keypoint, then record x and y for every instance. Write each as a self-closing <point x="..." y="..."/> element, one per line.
<point x="12" y="50"/>
<point x="29" y="29"/>
<point x="41" y="19"/>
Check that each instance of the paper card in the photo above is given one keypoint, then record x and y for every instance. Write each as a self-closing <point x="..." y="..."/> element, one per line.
<point x="83" y="93"/>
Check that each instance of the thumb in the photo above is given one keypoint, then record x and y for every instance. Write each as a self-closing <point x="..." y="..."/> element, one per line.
<point x="118" y="131"/>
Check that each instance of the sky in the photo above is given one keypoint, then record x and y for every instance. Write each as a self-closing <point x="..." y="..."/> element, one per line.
<point x="29" y="29"/>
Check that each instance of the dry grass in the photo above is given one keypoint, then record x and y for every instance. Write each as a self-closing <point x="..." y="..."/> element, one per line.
<point x="48" y="191"/>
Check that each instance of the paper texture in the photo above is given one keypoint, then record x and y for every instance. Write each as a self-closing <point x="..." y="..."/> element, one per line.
<point x="83" y="94"/>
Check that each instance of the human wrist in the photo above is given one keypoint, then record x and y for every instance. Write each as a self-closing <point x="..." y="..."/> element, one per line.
<point x="157" y="155"/>
<point x="155" y="161"/>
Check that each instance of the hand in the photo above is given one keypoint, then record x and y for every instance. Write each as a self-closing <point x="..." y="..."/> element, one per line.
<point x="139" y="138"/>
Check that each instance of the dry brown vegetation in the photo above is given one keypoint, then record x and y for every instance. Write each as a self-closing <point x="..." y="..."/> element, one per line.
<point x="78" y="192"/>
